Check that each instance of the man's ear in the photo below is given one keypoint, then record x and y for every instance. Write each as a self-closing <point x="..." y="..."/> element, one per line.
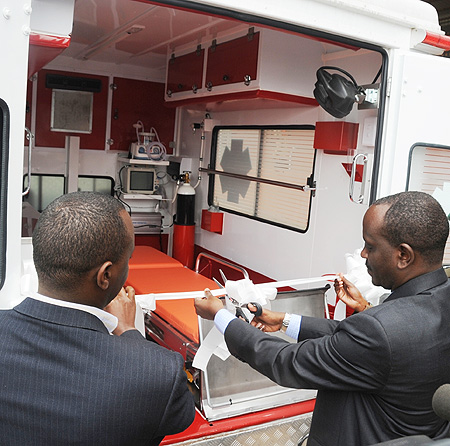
<point x="406" y="256"/>
<point x="104" y="275"/>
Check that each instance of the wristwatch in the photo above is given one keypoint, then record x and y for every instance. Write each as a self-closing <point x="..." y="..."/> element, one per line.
<point x="285" y="323"/>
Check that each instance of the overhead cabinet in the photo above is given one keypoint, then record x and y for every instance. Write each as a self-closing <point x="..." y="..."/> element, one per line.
<point x="185" y="73"/>
<point x="233" y="62"/>
<point x="257" y="63"/>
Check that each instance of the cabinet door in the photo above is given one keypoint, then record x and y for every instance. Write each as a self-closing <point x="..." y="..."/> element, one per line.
<point x="184" y="73"/>
<point x="231" y="62"/>
<point x="135" y="100"/>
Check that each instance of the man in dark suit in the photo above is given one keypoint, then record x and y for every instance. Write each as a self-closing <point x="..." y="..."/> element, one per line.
<point x="376" y="371"/>
<point x="71" y="372"/>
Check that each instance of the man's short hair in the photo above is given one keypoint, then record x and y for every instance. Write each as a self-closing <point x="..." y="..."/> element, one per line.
<point x="417" y="219"/>
<point x="76" y="233"/>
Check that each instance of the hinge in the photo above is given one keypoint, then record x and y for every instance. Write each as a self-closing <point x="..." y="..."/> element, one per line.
<point x="250" y="34"/>
<point x="213" y="45"/>
<point x="311" y="186"/>
<point x="198" y="51"/>
<point x="388" y="87"/>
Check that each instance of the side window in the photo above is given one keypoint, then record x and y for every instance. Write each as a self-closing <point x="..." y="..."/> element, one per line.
<point x="4" y="153"/>
<point x="46" y="187"/>
<point x="89" y="183"/>
<point x="429" y="171"/>
<point x="264" y="173"/>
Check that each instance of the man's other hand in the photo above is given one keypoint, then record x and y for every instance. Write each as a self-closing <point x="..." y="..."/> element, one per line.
<point x="349" y="294"/>
<point x="123" y="306"/>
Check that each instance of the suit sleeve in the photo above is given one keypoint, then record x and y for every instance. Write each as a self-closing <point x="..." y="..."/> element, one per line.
<point x="313" y="327"/>
<point x="356" y="357"/>
<point x="180" y="410"/>
<point x="171" y="390"/>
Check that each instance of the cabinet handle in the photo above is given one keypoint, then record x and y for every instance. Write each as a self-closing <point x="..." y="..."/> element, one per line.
<point x="209" y="86"/>
<point x="180" y="86"/>
<point x="247" y="79"/>
<point x="226" y="77"/>
<point x="194" y="88"/>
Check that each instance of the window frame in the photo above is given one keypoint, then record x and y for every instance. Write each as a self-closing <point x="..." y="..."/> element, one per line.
<point x="60" y="175"/>
<point x="409" y="185"/>
<point x="212" y="175"/>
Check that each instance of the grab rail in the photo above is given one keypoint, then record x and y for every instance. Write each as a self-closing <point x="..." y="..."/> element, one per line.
<point x="360" y="199"/>
<point x="221" y="261"/>
<point x="30" y="138"/>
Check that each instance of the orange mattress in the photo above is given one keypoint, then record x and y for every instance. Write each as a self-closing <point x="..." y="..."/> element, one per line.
<point x="180" y="313"/>
<point x="148" y="257"/>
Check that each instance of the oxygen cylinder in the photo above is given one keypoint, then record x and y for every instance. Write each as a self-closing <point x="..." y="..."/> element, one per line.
<point x="184" y="225"/>
<point x="185" y="205"/>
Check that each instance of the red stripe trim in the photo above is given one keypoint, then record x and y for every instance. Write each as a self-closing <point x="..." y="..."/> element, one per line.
<point x="49" y="41"/>
<point x="437" y="40"/>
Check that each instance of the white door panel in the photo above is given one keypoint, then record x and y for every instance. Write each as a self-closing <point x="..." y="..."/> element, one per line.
<point x="417" y="111"/>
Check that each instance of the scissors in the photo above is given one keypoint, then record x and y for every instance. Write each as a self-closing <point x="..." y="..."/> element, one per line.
<point x="239" y="312"/>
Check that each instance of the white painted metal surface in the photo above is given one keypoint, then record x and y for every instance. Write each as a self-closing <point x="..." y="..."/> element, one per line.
<point x="14" y="29"/>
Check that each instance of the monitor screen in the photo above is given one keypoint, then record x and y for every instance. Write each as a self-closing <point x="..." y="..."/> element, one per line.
<point x="141" y="180"/>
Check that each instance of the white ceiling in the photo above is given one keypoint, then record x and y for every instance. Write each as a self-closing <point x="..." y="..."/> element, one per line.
<point x="161" y="31"/>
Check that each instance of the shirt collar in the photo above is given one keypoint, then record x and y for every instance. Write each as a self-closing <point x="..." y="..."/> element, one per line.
<point x="109" y="320"/>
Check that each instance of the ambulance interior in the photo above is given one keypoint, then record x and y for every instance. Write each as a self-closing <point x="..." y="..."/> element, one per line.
<point x="228" y="103"/>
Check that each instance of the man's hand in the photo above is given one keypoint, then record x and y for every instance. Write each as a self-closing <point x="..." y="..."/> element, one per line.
<point x="123" y="306"/>
<point x="269" y="321"/>
<point x="349" y="294"/>
<point x="207" y="307"/>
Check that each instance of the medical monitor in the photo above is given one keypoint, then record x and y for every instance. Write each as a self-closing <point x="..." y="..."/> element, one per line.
<point x="139" y="180"/>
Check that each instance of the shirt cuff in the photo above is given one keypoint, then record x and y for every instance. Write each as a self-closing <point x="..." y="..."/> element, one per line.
<point x="222" y="318"/>
<point x="293" y="329"/>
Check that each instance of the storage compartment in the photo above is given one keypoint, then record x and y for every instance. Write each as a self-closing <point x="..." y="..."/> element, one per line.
<point x="336" y="137"/>
<point x="256" y="63"/>
<point x="212" y="221"/>
<point x="185" y="73"/>
<point x="231" y="62"/>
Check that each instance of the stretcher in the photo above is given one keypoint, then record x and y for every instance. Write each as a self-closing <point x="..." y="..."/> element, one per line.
<point x="228" y="393"/>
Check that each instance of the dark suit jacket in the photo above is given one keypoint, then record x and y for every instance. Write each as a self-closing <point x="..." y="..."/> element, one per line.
<point x="65" y="380"/>
<point x="375" y="371"/>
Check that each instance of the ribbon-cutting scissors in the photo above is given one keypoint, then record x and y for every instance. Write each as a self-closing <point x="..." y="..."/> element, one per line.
<point x="239" y="312"/>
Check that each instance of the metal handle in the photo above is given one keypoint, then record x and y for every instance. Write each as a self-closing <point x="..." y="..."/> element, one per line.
<point x="353" y="176"/>
<point x="30" y="138"/>
<point x="221" y="261"/>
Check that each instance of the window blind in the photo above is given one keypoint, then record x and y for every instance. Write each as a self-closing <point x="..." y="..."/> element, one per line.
<point x="281" y="154"/>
